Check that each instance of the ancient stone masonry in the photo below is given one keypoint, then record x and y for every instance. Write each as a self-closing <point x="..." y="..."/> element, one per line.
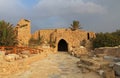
<point x="66" y="39"/>
<point x="23" y="32"/>
<point x="63" y="39"/>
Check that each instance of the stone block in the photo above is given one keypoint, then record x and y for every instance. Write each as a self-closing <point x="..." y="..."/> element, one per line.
<point x="2" y="54"/>
<point x="109" y="74"/>
<point x="116" y="68"/>
<point x="11" y="57"/>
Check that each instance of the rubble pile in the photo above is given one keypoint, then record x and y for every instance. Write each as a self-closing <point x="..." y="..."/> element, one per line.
<point x="7" y="68"/>
<point x="110" y="51"/>
<point x="92" y="63"/>
<point x="78" y="51"/>
<point x="105" y="61"/>
<point x="12" y="63"/>
<point x="111" y="54"/>
<point x="116" y="68"/>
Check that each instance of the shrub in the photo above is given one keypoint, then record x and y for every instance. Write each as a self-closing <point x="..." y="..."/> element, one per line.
<point x="7" y="34"/>
<point x="107" y="39"/>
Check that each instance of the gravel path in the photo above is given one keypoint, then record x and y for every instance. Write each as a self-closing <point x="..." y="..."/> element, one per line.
<point x="59" y="65"/>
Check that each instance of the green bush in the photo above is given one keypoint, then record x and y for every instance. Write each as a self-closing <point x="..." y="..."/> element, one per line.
<point x="107" y="39"/>
<point x="7" y="34"/>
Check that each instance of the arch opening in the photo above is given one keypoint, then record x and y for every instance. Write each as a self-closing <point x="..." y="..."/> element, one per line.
<point x="62" y="45"/>
<point x="88" y="36"/>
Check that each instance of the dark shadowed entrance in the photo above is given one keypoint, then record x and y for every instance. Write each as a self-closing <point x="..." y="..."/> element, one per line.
<point x="62" y="45"/>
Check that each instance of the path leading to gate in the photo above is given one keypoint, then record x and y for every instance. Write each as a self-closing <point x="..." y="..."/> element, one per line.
<point x="59" y="65"/>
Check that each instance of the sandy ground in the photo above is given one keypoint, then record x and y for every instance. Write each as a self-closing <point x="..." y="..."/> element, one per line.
<point x="59" y="65"/>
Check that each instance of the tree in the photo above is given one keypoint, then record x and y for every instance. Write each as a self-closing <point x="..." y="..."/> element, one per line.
<point x="76" y="25"/>
<point x="7" y="34"/>
<point x="107" y="39"/>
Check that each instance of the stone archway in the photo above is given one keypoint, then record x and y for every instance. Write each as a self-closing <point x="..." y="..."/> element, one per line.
<point x="62" y="45"/>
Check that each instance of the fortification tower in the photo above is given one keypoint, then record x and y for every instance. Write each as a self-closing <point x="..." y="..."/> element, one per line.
<point x="23" y="29"/>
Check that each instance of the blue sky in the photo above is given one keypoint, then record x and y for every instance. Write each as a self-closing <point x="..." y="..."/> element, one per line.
<point x="94" y="15"/>
<point x="29" y="3"/>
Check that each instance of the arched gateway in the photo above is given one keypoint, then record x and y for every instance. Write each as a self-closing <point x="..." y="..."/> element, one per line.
<point x="62" y="45"/>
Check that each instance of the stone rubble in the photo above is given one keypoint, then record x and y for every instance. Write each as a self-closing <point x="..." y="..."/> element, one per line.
<point x="111" y="54"/>
<point x="116" y="68"/>
<point x="110" y="51"/>
<point x="103" y="63"/>
<point x="78" y="51"/>
<point x="11" y="57"/>
<point x="98" y="65"/>
<point x="2" y="54"/>
<point x="13" y="63"/>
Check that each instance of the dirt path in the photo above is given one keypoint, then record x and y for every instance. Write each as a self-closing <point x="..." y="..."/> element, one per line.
<point x="60" y="65"/>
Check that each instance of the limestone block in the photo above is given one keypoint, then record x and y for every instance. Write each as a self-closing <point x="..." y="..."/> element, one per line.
<point x="109" y="74"/>
<point x="11" y="57"/>
<point x="78" y="51"/>
<point x="93" y="64"/>
<point x="117" y="68"/>
<point x="2" y="54"/>
<point x="85" y="70"/>
<point x="24" y="56"/>
<point x="101" y="72"/>
<point x="26" y="52"/>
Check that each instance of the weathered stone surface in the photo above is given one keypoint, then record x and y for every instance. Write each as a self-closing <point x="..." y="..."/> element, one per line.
<point x="24" y="56"/>
<point x="2" y="54"/>
<point x="84" y="70"/>
<point x="78" y="51"/>
<point x="109" y="74"/>
<point x="11" y="57"/>
<point x="12" y="65"/>
<point x="23" y="31"/>
<point x="93" y="64"/>
<point x="7" y="68"/>
<point x="101" y="72"/>
<point x="117" y="68"/>
<point x="71" y="37"/>
<point x="110" y="51"/>
<point x="26" y="52"/>
<point x="60" y="65"/>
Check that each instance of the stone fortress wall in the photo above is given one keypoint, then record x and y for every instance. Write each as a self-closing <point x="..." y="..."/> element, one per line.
<point x="23" y="31"/>
<point x="72" y="38"/>
<point x="61" y="36"/>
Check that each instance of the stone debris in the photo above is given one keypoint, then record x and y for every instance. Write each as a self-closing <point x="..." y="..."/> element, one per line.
<point x="101" y="72"/>
<point x="26" y="52"/>
<point x="11" y="57"/>
<point x="98" y="64"/>
<point x="102" y="63"/>
<point x="116" y="68"/>
<point x="109" y="73"/>
<point x="93" y="64"/>
<point x="7" y="68"/>
<point x="24" y="56"/>
<point x="78" y="51"/>
<point x="111" y="54"/>
<point x="2" y="54"/>
<point x="12" y="63"/>
<point x="110" y="51"/>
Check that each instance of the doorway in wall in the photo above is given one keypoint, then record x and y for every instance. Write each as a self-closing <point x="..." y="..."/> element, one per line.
<point x="62" y="45"/>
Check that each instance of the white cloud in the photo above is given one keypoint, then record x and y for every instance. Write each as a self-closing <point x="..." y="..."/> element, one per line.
<point x="11" y="9"/>
<point x="48" y="8"/>
<point x="68" y="7"/>
<point x="54" y="13"/>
